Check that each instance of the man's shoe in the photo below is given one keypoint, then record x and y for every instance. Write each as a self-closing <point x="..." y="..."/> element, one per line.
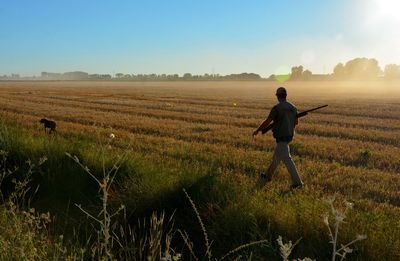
<point x="297" y="186"/>
<point x="264" y="176"/>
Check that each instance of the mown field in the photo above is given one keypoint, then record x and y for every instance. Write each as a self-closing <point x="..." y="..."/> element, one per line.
<point x="197" y="136"/>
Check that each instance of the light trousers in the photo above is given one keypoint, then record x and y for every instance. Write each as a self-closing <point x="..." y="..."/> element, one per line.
<point x="282" y="153"/>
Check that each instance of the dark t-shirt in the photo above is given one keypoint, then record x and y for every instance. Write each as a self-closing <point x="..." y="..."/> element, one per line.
<point x="284" y="116"/>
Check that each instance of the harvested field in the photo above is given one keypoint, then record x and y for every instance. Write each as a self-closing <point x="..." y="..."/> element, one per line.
<point x="351" y="149"/>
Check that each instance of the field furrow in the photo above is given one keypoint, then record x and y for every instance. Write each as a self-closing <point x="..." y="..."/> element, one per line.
<point x="344" y="151"/>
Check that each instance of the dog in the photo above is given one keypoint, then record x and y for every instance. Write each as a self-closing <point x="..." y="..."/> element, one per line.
<point x="48" y="125"/>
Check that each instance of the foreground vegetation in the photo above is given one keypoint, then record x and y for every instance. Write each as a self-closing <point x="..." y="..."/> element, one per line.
<point x="174" y="138"/>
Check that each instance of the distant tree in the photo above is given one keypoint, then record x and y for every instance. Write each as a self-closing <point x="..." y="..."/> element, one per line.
<point x="251" y="76"/>
<point x="392" y="71"/>
<point x="206" y="76"/>
<point x="77" y="75"/>
<point x="172" y="77"/>
<point x="361" y="68"/>
<point x="339" y="71"/>
<point x="358" y="68"/>
<point x="297" y="72"/>
<point x="242" y="77"/>
<point x="307" y="75"/>
<point x="119" y="75"/>
<point x="187" y="76"/>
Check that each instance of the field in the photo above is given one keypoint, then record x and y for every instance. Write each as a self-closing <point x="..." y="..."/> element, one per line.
<point x="197" y="136"/>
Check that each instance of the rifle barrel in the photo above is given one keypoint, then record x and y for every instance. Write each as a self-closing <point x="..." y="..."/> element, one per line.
<point x="320" y="107"/>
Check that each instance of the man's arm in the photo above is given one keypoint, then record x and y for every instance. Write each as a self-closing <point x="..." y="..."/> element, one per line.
<point x="263" y="125"/>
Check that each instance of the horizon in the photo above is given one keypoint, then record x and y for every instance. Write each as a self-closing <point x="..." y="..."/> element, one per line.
<point x="175" y="37"/>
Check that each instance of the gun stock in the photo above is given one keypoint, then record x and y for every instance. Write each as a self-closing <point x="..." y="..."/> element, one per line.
<point x="268" y="128"/>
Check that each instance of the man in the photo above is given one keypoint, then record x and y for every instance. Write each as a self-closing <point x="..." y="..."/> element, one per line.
<point x="284" y="117"/>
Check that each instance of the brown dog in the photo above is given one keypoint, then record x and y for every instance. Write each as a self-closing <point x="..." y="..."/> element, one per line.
<point x="48" y="125"/>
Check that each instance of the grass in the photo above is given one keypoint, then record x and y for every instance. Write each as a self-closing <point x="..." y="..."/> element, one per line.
<point x="202" y="144"/>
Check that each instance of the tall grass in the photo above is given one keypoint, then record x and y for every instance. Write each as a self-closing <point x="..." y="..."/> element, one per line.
<point x="233" y="209"/>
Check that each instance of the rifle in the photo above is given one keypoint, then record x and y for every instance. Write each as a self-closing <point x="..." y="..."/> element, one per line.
<point x="299" y="115"/>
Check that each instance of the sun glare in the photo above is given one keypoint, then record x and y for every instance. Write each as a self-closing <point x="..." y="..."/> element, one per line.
<point x="386" y="9"/>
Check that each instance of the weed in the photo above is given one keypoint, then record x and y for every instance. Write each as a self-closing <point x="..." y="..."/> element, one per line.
<point x="365" y="155"/>
<point x="104" y="217"/>
<point x="339" y="217"/>
<point x="208" y="253"/>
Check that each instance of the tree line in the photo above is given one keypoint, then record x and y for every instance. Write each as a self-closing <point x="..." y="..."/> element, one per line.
<point x="364" y="68"/>
<point x="355" y="69"/>
<point x="189" y="76"/>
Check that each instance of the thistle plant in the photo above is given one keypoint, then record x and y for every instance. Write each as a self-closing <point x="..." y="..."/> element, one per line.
<point x="333" y="229"/>
<point x="104" y="217"/>
<point x="342" y="251"/>
<point x="286" y="249"/>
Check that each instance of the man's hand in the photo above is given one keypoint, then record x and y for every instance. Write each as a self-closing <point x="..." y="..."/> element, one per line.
<point x="255" y="133"/>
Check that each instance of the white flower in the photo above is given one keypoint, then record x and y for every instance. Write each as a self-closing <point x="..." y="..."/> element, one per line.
<point x="112" y="136"/>
<point x="361" y="237"/>
<point x="349" y="205"/>
<point x="347" y="249"/>
<point x="326" y="220"/>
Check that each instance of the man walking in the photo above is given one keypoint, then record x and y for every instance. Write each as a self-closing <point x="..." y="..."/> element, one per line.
<point x="284" y="117"/>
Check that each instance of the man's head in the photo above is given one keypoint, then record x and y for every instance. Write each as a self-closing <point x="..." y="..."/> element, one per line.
<point x="281" y="93"/>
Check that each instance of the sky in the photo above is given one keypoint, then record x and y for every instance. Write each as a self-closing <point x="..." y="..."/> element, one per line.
<point x="196" y="36"/>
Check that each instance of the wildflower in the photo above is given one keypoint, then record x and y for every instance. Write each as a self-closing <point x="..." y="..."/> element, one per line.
<point x="326" y="220"/>
<point x="349" y="205"/>
<point x="42" y="160"/>
<point x="45" y="217"/>
<point x="285" y="248"/>
<point x="177" y="257"/>
<point x="112" y="136"/>
<point x="361" y="237"/>
<point x="347" y="249"/>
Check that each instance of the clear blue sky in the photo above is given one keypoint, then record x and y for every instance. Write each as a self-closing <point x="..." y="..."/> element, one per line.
<point x="197" y="36"/>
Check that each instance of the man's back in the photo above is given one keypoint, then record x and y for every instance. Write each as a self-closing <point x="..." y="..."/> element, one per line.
<point x="284" y="115"/>
<point x="284" y="118"/>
